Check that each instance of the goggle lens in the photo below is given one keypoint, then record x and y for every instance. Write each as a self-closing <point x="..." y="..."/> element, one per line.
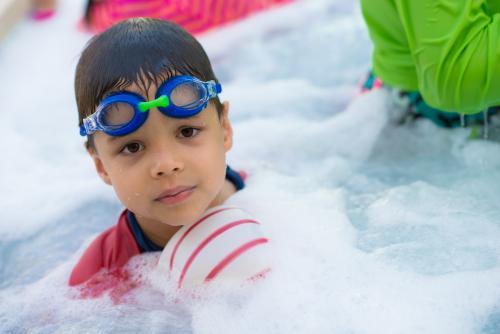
<point x="188" y="95"/>
<point x="117" y="114"/>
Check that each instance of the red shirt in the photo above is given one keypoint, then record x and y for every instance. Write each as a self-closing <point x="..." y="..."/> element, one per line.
<point x="112" y="249"/>
<point x="101" y="266"/>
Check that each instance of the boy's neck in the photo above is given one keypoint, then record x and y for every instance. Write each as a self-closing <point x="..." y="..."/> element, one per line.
<point x="158" y="233"/>
<point x="227" y="190"/>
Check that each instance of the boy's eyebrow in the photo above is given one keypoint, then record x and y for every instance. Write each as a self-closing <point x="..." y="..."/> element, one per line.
<point x="192" y="117"/>
<point x="111" y="139"/>
<point x="181" y="119"/>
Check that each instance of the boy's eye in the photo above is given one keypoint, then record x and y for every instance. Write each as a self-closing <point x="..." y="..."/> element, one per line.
<point x="188" y="132"/>
<point x="132" y="148"/>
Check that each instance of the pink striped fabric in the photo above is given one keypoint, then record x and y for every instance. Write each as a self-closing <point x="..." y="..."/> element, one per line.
<point x="196" y="16"/>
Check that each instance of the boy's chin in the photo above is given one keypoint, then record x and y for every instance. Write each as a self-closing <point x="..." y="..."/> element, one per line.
<point x="187" y="213"/>
<point x="190" y="217"/>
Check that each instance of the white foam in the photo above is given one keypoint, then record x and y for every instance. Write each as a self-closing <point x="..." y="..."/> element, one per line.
<point x="375" y="227"/>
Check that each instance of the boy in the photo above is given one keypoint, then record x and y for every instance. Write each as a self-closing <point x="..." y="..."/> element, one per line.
<point x="157" y="133"/>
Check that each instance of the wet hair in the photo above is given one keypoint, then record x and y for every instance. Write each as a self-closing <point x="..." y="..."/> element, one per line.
<point x="139" y="51"/>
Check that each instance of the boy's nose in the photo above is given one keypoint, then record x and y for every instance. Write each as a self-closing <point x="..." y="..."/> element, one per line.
<point x="165" y="164"/>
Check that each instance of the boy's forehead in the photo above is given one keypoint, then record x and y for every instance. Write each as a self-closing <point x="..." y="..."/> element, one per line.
<point x="134" y="87"/>
<point x="144" y="84"/>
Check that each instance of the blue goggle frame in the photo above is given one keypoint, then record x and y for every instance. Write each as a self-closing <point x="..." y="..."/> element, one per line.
<point x="95" y="122"/>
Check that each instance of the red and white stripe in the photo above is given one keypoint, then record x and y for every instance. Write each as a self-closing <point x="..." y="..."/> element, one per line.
<point x="225" y="244"/>
<point x="196" y="16"/>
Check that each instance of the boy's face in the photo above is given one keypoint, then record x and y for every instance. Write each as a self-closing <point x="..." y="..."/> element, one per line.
<point x="169" y="170"/>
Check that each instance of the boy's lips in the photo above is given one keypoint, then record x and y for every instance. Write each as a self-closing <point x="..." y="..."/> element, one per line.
<point x="175" y="195"/>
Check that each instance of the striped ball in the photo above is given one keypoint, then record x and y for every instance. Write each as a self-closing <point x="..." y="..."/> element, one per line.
<point x="225" y="244"/>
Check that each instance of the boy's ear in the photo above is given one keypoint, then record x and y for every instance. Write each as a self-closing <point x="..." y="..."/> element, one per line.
<point x="226" y="126"/>
<point x="99" y="166"/>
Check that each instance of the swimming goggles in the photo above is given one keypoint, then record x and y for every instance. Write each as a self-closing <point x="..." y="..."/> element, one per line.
<point x="123" y="112"/>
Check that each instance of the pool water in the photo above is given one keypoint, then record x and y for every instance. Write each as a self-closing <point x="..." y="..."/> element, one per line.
<point x="376" y="228"/>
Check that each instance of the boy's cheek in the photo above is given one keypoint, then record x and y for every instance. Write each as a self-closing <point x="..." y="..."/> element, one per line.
<point x="106" y="179"/>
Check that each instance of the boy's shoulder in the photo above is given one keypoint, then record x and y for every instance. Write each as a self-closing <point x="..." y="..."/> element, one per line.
<point x="111" y="249"/>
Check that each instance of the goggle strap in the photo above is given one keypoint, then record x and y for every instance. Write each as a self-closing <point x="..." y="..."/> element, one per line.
<point x="89" y="126"/>
<point x="83" y="132"/>
<point x="213" y="88"/>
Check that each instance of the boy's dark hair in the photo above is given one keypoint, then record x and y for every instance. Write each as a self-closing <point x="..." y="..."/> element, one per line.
<point x="141" y="51"/>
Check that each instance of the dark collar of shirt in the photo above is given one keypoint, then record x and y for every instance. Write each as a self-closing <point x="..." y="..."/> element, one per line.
<point x="145" y="244"/>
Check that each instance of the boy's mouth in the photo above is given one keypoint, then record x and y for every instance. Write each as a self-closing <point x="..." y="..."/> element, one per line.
<point x="175" y="195"/>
